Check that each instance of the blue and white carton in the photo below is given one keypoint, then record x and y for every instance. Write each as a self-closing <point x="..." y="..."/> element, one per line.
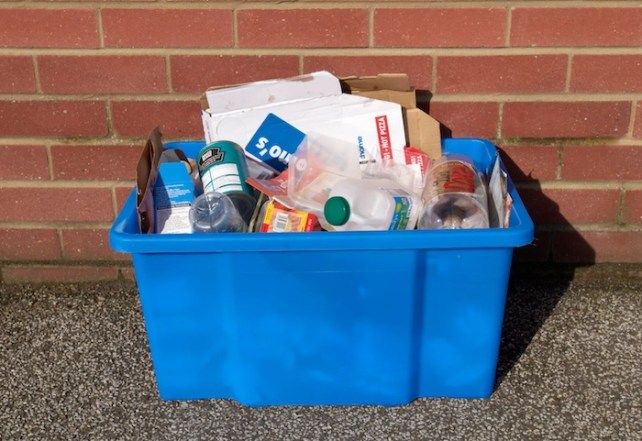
<point x="174" y="193"/>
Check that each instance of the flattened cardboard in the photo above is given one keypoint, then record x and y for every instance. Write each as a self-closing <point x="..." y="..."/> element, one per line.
<point x="267" y="93"/>
<point x="146" y="172"/>
<point x="315" y="103"/>
<point x="393" y="87"/>
<point x="421" y="130"/>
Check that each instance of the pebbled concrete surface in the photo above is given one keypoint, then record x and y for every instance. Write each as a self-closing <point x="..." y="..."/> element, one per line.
<point x="74" y="364"/>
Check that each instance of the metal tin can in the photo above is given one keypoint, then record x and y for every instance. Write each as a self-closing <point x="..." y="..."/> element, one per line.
<point x="222" y="168"/>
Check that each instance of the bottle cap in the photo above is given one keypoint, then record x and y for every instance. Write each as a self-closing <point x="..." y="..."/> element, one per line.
<point x="337" y="211"/>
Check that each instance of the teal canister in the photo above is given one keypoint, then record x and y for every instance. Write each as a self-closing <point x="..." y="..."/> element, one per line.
<point x="222" y="168"/>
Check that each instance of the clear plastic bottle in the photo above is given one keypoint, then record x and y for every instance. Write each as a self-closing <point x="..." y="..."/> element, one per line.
<point x="370" y="204"/>
<point x="455" y="196"/>
<point x="214" y="212"/>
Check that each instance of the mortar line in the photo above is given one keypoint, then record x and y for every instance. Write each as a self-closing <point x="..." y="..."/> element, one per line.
<point x="371" y="13"/>
<point x="36" y="73"/>
<point x="560" y="161"/>
<point x="569" y="72"/>
<point x="383" y="51"/>
<point x="62" y="184"/>
<point x="508" y="25"/>
<point x="61" y="242"/>
<point x="99" y="25"/>
<point x="572" y="185"/>
<point x="454" y="97"/>
<point x="609" y="227"/>
<point x="619" y="214"/>
<point x="114" y="202"/>
<point x="61" y="225"/>
<point x="335" y="5"/>
<point x="500" y="121"/>
<point x="168" y="74"/>
<point x="433" y="73"/>
<point x="50" y="166"/>
<point x="235" y="28"/>
<point x="634" y="108"/>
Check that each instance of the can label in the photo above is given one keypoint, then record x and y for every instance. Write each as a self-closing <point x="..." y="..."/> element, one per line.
<point x="452" y="177"/>
<point x="221" y="168"/>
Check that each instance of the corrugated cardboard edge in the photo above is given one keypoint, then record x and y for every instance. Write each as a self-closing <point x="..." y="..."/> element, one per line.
<point x="146" y="172"/>
<point x="203" y="97"/>
<point x="422" y="130"/>
<point x="383" y="81"/>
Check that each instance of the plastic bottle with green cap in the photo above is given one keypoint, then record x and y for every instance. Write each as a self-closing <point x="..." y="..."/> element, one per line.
<point x="370" y="204"/>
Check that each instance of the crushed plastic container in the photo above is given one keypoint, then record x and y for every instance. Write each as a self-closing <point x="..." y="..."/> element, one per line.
<point x="367" y="317"/>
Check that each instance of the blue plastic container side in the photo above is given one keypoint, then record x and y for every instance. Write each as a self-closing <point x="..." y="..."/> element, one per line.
<point x="325" y="318"/>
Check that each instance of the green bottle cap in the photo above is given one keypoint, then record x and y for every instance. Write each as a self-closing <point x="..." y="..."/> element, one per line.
<point x="337" y="211"/>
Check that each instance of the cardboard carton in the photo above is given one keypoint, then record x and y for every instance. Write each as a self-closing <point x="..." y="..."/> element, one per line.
<point x="313" y="102"/>
<point x="174" y="193"/>
<point x="422" y="130"/>
<point x="164" y="188"/>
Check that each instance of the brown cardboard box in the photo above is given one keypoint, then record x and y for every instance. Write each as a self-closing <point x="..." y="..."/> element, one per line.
<point x="422" y="130"/>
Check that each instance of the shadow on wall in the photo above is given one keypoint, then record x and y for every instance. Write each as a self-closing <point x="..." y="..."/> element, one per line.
<point x="538" y="279"/>
<point x="537" y="283"/>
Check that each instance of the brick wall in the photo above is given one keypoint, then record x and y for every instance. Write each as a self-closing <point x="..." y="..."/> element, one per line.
<point x="557" y="85"/>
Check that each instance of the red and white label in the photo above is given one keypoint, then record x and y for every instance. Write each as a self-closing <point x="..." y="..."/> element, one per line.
<point x="416" y="156"/>
<point x="385" y="147"/>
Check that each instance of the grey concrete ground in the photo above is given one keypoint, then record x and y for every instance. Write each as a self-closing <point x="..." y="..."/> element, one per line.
<point x="74" y="364"/>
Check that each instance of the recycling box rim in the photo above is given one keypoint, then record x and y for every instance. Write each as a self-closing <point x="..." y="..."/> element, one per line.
<point x="125" y="237"/>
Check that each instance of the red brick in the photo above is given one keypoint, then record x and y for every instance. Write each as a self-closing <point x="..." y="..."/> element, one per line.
<point x="606" y="73"/>
<point x="566" y="119"/>
<point x="637" y="128"/>
<point x="102" y="74"/>
<point x="633" y="207"/>
<point x="537" y="251"/>
<point x="601" y="162"/>
<point x="57" y="274"/>
<point x="585" y="27"/>
<point x="198" y="72"/>
<point x="418" y="67"/>
<point x="88" y="245"/>
<point x="17" y="74"/>
<point x="127" y="273"/>
<point x="277" y="28"/>
<point x="53" y="118"/>
<point x="439" y="27"/>
<point x="467" y="119"/>
<point x="167" y="28"/>
<point x="177" y="119"/>
<point x="497" y="74"/>
<point x="95" y="162"/>
<point x="23" y="162"/>
<point x="530" y="162"/>
<point x="121" y="194"/>
<point x="31" y="244"/>
<point x="55" y="28"/>
<point x="56" y="204"/>
<point x="564" y="206"/>
<point x="597" y="246"/>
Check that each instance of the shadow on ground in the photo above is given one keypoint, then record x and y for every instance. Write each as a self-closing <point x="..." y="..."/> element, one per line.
<point x="537" y="282"/>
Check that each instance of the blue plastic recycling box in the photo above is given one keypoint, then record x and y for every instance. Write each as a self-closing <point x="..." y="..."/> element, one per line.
<point x="325" y="318"/>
